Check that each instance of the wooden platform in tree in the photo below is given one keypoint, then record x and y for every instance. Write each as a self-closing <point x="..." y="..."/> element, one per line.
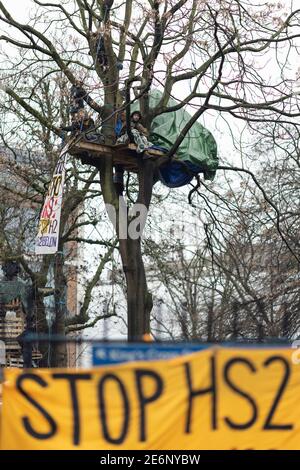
<point x="122" y="154"/>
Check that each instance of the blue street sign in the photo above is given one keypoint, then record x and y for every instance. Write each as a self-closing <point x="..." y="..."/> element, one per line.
<point x="125" y="352"/>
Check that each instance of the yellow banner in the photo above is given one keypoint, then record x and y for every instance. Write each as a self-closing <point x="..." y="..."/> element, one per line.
<point x="215" y="399"/>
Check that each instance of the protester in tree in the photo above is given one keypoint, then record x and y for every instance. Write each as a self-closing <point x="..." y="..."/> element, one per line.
<point x="77" y="94"/>
<point x="139" y="132"/>
<point x="83" y="122"/>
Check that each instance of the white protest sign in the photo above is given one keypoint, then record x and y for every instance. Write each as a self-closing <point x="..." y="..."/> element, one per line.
<point x="48" y="232"/>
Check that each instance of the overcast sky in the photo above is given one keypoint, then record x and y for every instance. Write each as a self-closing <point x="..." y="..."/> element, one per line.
<point x="19" y="8"/>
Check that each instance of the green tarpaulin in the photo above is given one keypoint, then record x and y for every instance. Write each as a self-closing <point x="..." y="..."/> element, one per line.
<point x="198" y="147"/>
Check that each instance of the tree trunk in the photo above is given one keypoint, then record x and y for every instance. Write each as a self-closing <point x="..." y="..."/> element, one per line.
<point x="139" y="299"/>
<point x="42" y="328"/>
<point x="59" y="356"/>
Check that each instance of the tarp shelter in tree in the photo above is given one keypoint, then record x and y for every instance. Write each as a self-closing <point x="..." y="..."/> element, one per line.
<point x="198" y="150"/>
<point x="196" y="154"/>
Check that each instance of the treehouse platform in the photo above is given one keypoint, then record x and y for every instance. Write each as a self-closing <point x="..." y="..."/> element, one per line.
<point x="122" y="154"/>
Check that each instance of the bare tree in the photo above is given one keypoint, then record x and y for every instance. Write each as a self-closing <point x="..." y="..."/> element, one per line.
<point x="25" y="175"/>
<point x="210" y="54"/>
<point x="239" y="279"/>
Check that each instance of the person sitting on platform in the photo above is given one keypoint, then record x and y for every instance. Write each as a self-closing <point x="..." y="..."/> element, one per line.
<point x="74" y="127"/>
<point x="83" y="122"/>
<point x="139" y="132"/>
